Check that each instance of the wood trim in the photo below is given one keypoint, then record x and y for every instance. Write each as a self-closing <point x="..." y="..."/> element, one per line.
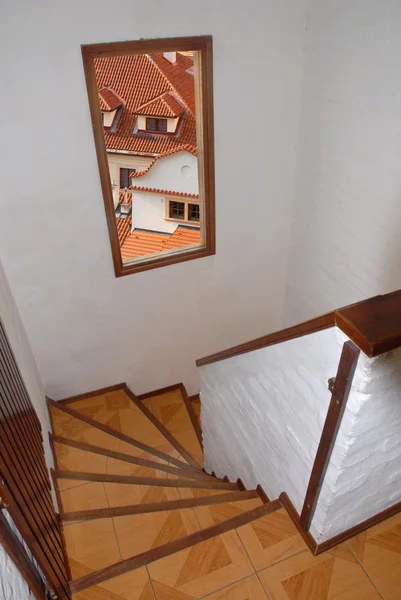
<point x="61" y="509"/>
<point x="291" y="510"/>
<point x="194" y="397"/>
<point x="316" y="548"/>
<point x="312" y="326"/>
<point x="262" y="494"/>
<point x="164" y="550"/>
<point x="99" y="392"/>
<point x="135" y="460"/>
<point x="192" y="415"/>
<point x="363" y="526"/>
<point x="205" y="120"/>
<point x="165" y="432"/>
<point x="116" y="434"/>
<point x="18" y="555"/>
<point x="159" y="391"/>
<point x="241" y="485"/>
<point x="148" y="481"/>
<point x="136" y="509"/>
<point x="342" y="386"/>
<point x="374" y="325"/>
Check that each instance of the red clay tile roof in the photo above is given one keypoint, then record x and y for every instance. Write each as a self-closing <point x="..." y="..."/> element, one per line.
<point x="142" y="78"/>
<point x="139" y="243"/>
<point x="165" y="105"/>
<point x="109" y="100"/>
<point x="182" y="237"/>
<point x="141" y="188"/>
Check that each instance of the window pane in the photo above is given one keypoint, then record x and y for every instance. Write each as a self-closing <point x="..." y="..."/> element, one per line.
<point x="177" y="210"/>
<point x="193" y="212"/>
<point x="162" y="125"/>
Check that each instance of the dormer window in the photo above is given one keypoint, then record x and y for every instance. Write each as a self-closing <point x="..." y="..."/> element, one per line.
<point x="157" y="125"/>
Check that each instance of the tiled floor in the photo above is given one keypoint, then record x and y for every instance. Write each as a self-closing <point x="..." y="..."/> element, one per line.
<point x="263" y="560"/>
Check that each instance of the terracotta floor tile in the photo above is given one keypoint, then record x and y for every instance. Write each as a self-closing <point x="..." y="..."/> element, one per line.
<point x="216" y="513"/>
<point x="116" y="410"/>
<point x="92" y="543"/>
<point x="249" y="588"/>
<point x="72" y="459"/>
<point x="74" y="429"/>
<point x="198" y="492"/>
<point x="84" y="497"/>
<point x="201" y="569"/>
<point x="138" y="533"/>
<point x="121" y="494"/>
<point x="379" y="551"/>
<point x="131" y="586"/>
<point x="271" y="539"/>
<point x="170" y="410"/>
<point x="333" y="574"/>
<point x="66" y="484"/>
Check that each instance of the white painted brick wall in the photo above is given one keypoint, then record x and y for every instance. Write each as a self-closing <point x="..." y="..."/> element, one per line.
<point x="263" y="412"/>
<point x="262" y="417"/>
<point x="364" y="476"/>
<point x="12" y="585"/>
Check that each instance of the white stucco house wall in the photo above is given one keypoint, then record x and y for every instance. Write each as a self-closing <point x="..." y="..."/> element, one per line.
<point x="171" y="179"/>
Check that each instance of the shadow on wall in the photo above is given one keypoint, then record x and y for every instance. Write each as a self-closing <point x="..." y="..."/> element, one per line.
<point x="391" y="262"/>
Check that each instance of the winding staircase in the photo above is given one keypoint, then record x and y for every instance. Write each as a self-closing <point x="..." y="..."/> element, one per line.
<point x="137" y="510"/>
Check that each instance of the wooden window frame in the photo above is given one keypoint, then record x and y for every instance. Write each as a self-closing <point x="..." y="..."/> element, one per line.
<point x="170" y="202"/>
<point x="158" y="122"/>
<point x="189" y="211"/>
<point x="205" y="141"/>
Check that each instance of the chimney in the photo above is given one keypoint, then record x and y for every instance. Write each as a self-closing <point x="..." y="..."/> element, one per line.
<point x="171" y="57"/>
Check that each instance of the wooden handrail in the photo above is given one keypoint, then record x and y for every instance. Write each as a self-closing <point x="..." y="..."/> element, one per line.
<point x="339" y="397"/>
<point x="312" y="326"/>
<point x="374" y="325"/>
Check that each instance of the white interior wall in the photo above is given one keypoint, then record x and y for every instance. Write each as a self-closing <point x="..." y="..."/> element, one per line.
<point x="53" y="233"/>
<point x="346" y="242"/>
<point x="261" y="420"/>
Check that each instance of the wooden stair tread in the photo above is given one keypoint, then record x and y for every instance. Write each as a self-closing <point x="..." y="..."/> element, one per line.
<point x="130" y="487"/>
<point x="66" y="409"/>
<point x="103" y="513"/>
<point x="164" y="550"/>
<point x="172" y="413"/>
<point x="148" y="481"/>
<point x="119" y="457"/>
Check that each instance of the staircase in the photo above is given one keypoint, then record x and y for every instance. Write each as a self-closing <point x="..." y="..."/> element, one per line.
<point x="137" y="511"/>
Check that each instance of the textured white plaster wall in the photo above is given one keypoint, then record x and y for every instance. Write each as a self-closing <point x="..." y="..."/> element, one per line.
<point x="263" y="412"/>
<point x="364" y="475"/>
<point x="12" y="585"/>
<point x="53" y="233"/>
<point x="346" y="242"/>
<point x="167" y="174"/>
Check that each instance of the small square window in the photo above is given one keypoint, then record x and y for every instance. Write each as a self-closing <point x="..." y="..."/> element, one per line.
<point x="125" y="180"/>
<point x="193" y="212"/>
<point x="156" y="125"/>
<point x="177" y="210"/>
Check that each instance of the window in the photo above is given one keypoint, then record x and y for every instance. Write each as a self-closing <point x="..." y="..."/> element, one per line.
<point x="159" y="125"/>
<point x="177" y="210"/>
<point x="193" y="212"/>
<point x="125" y="180"/>
<point x="171" y="81"/>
